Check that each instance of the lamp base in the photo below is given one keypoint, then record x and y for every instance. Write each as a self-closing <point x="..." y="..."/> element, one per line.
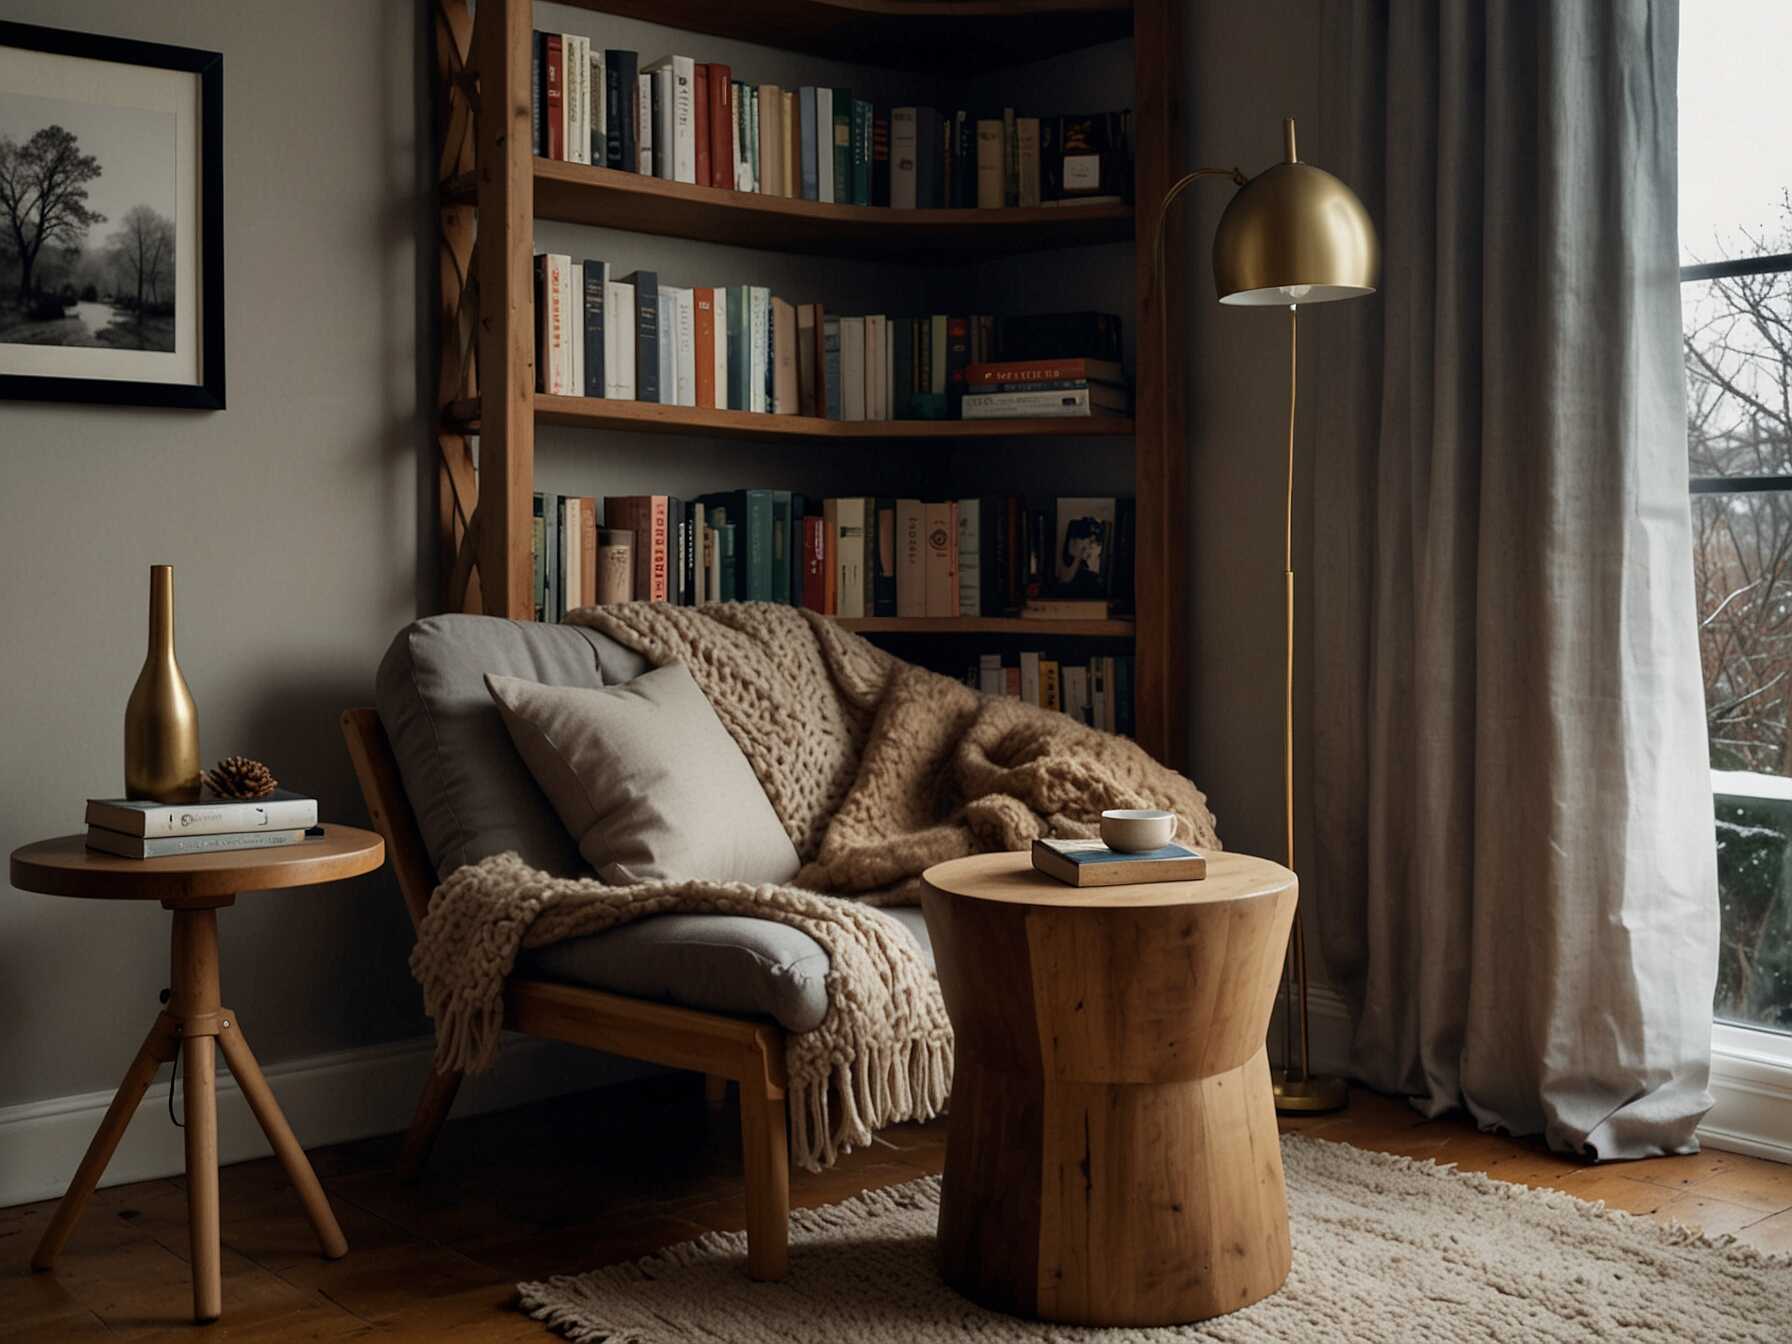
<point x="1307" y="1094"/>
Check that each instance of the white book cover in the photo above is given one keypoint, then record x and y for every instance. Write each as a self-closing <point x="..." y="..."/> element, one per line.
<point x="849" y="556"/>
<point x="280" y="810"/>
<point x="578" y="329"/>
<point x="911" y="558"/>
<point x="990" y="679"/>
<point x="874" y="369"/>
<point x="600" y="124"/>
<point x="644" y="124"/>
<point x="579" y="132"/>
<point x="852" y="368"/>
<point x="684" y="119"/>
<point x="824" y="144"/>
<point x="721" y="347"/>
<point x="569" y="552"/>
<point x="1068" y="402"/>
<point x="1029" y="678"/>
<point x="970" y="572"/>
<point x="685" y="372"/>
<point x="619" y="341"/>
<point x="902" y="158"/>
<point x="759" y="319"/>
<point x="568" y="327"/>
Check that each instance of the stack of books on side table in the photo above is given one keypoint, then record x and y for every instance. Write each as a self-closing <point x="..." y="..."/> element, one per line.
<point x="1090" y="863"/>
<point x="136" y="829"/>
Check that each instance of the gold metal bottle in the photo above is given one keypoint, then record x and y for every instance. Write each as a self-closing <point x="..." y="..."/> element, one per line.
<point x="161" y="723"/>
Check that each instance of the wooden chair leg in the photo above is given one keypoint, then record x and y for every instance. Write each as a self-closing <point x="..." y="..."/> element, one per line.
<point x="157" y="1049"/>
<point x="765" y="1149"/>
<point x="286" y="1147"/>
<point x="432" y="1111"/>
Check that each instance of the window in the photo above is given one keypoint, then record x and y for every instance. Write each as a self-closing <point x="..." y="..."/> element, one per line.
<point x="1736" y="293"/>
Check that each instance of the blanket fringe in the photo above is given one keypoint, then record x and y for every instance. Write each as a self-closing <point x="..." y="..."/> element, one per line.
<point x="882" y="1086"/>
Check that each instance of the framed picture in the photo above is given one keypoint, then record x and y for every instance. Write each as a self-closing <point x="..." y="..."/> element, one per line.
<point x="1083" y="558"/>
<point x="111" y="220"/>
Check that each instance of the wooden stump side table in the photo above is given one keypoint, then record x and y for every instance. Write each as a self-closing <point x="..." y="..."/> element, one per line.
<point x="1112" y="1155"/>
<point x="195" y="887"/>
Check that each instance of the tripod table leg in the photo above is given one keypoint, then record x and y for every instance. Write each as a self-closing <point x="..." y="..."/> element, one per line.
<point x="157" y="1049"/>
<point x="273" y="1123"/>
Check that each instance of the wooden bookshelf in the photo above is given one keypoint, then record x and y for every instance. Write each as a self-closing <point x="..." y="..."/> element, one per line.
<point x="492" y="190"/>
<point x="573" y="193"/>
<point x="654" y="418"/>
<point x="983" y="625"/>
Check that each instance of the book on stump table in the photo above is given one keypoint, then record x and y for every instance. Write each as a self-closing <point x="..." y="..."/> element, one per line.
<point x="1090" y="863"/>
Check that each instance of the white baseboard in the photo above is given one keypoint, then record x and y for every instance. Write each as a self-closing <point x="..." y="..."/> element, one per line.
<point x="333" y="1098"/>
<point x="1751" y="1089"/>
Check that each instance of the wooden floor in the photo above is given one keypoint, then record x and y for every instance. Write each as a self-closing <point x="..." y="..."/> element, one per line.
<point x="583" y="1181"/>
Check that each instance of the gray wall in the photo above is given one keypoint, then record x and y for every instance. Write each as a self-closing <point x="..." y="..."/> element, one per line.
<point x="291" y="522"/>
<point x="1251" y="65"/>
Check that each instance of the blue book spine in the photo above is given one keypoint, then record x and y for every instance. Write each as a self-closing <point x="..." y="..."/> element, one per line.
<point x="809" y="146"/>
<point x="758" y="567"/>
<point x="740" y="348"/>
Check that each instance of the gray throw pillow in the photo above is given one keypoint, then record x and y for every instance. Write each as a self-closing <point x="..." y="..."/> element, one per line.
<point x="646" y="779"/>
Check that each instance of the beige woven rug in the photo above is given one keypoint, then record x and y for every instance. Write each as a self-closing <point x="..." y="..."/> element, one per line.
<point x="1385" y="1248"/>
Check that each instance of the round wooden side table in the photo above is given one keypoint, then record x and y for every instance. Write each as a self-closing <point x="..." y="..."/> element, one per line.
<point x="195" y="887"/>
<point x="1112" y="1155"/>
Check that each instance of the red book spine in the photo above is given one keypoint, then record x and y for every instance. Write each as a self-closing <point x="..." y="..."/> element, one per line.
<point x="815" y="563"/>
<point x="662" y="555"/>
<point x="704" y="301"/>
<point x="1030" y="371"/>
<point x="556" y="82"/>
<point x="700" y="117"/>
<point x="721" y="126"/>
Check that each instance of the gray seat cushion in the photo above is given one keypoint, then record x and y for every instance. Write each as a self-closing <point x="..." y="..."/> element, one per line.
<point x="715" y="963"/>
<point x="474" y="797"/>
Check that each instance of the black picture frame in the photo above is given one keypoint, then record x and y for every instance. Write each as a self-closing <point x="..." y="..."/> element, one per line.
<point x="208" y="393"/>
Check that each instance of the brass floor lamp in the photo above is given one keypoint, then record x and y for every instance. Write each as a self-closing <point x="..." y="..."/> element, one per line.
<point x="1293" y="235"/>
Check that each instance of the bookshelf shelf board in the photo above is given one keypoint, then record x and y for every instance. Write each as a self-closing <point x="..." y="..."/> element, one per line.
<point x="654" y="418"/>
<point x="953" y="35"/>
<point x="607" y="198"/>
<point x="981" y="625"/>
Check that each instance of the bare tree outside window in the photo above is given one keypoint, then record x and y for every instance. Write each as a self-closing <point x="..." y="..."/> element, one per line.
<point x="1738" y="344"/>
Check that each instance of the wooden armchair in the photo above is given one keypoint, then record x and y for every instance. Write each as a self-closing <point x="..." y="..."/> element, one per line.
<point x="751" y="1053"/>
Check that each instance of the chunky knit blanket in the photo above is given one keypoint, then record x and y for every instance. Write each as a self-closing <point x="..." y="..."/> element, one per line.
<point x="877" y="769"/>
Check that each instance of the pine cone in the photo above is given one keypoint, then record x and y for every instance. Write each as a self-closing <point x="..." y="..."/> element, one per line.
<point x="240" y="777"/>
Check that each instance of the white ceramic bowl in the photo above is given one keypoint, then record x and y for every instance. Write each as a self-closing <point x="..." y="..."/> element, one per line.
<point x="1135" y="831"/>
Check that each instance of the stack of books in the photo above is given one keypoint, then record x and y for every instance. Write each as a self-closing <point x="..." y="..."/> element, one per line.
<point x="1063" y="559"/>
<point x="136" y="829"/>
<point x="686" y="120"/>
<point x="1025" y="389"/>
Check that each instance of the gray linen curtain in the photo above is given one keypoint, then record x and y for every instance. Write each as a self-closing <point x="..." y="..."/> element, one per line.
<point x="1514" y="864"/>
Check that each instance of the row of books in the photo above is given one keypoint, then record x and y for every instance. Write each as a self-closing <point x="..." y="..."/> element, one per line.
<point x="743" y="348"/>
<point x="1098" y="692"/>
<point x="135" y="829"/>
<point x="853" y="556"/>
<point x="691" y="121"/>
